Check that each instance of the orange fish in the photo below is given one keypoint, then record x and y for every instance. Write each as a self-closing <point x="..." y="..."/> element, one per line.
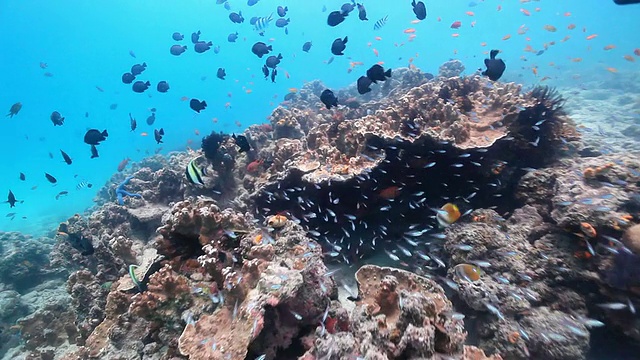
<point x="455" y="35"/>
<point x="184" y="98"/>
<point x="483" y="44"/>
<point x="534" y="70"/>
<point x="380" y="62"/>
<point x="415" y="21"/>
<point x="550" y="28"/>
<point x="609" y="47"/>
<point x="522" y="30"/>
<point x="238" y="123"/>
<point x="565" y="38"/>
<point x="473" y="23"/>
<point x="612" y="70"/>
<point x="389" y="193"/>
<point x="293" y="90"/>
<point x="571" y="26"/>
<point x="369" y="44"/>
<point x="567" y="14"/>
<point x="629" y="58"/>
<point x="545" y="78"/>
<point x="375" y="52"/>
<point x="591" y="37"/>
<point x="499" y="7"/>
<point x="411" y="37"/>
<point x="197" y="132"/>
<point x="143" y="134"/>
<point x="528" y="48"/>
<point x="378" y="38"/>
<point x="576" y="60"/>
<point x="409" y="31"/>
<point x="552" y="64"/>
<point x="637" y="52"/>
<point x="439" y="19"/>
<point x="538" y="9"/>
<point x="215" y="120"/>
<point x="525" y="12"/>
<point x="506" y="37"/>
<point x="227" y="105"/>
<point x="286" y="74"/>
<point x="470" y="13"/>
<point x="248" y="91"/>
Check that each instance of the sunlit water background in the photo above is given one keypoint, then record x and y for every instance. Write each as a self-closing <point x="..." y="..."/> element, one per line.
<point x="87" y="43"/>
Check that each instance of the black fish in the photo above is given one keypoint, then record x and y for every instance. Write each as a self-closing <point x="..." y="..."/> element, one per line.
<point x="540" y="52"/>
<point x="329" y="99"/>
<point x="232" y="37"/>
<point x="57" y="119"/>
<point x="495" y="67"/>
<point x="195" y="37"/>
<point x="127" y="78"/>
<point x="177" y="36"/>
<point x="197" y="105"/>
<point x="274" y="72"/>
<point x="158" y="135"/>
<point x="202" y="46"/>
<point x="242" y="143"/>
<point x="50" y="178"/>
<point x="137" y="69"/>
<point x="12" y="199"/>
<point x="236" y="17"/>
<point x="66" y="157"/>
<point x="419" y="9"/>
<point x="94" y="137"/>
<point x="364" y="84"/>
<point x="221" y="73"/>
<point x="376" y="73"/>
<point x="362" y="13"/>
<point x="22" y="177"/>
<point x="339" y="45"/>
<point x="335" y="18"/>
<point x="273" y="61"/>
<point x="151" y="119"/>
<point x="282" y="22"/>
<point x="261" y="49"/>
<point x="61" y="193"/>
<point x="307" y="46"/>
<point x="94" y="152"/>
<point x="133" y="122"/>
<point x="265" y="71"/>
<point x="282" y="11"/>
<point x="113" y="106"/>
<point x="289" y="96"/>
<point x="177" y="49"/>
<point x="140" y="86"/>
<point x="162" y="86"/>
<point x="347" y="8"/>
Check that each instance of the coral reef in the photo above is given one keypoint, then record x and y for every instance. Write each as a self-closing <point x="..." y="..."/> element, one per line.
<point x="437" y="175"/>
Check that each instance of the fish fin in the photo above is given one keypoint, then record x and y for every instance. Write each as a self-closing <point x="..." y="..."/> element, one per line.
<point x="387" y="73"/>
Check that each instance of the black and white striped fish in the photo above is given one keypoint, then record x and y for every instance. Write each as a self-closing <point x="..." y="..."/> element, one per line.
<point x="380" y="23"/>
<point x="83" y="184"/>
<point x="262" y="23"/>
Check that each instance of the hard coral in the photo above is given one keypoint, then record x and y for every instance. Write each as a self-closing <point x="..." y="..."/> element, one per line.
<point x="167" y="296"/>
<point x="413" y="305"/>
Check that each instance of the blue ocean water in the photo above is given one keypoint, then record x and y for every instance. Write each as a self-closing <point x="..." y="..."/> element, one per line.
<point x="87" y="44"/>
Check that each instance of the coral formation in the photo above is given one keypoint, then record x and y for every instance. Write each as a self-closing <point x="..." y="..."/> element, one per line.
<point x="236" y="267"/>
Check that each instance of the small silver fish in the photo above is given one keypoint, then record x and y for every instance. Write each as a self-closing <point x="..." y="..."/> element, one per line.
<point x="613" y="306"/>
